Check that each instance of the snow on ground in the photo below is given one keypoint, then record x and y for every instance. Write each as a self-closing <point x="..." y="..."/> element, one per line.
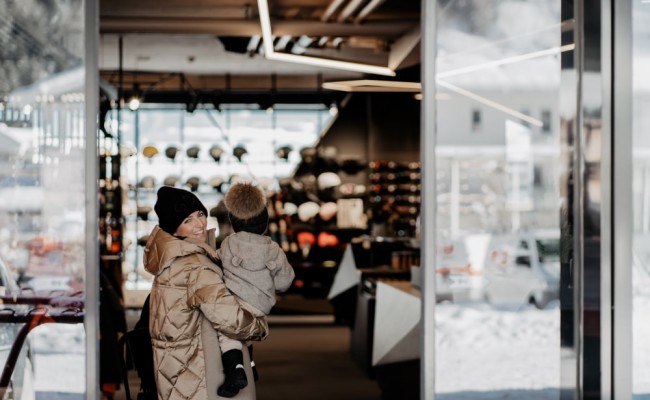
<point x="641" y="325"/>
<point x="482" y="348"/>
<point x="641" y="346"/>
<point x="482" y="352"/>
<point x="59" y="358"/>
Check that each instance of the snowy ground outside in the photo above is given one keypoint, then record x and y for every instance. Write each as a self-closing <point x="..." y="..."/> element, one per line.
<point x="59" y="358"/>
<point x="482" y="351"/>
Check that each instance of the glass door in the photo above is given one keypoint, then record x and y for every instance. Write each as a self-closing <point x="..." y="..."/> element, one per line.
<point x="498" y="201"/>
<point x="47" y="191"/>
<point x="640" y="199"/>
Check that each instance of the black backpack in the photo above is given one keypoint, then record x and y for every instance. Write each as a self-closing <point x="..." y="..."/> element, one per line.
<point x="138" y="349"/>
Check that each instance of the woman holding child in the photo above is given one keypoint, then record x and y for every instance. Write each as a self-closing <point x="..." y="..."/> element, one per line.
<point x="190" y="303"/>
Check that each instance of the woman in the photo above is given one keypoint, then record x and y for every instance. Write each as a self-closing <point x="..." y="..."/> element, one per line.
<point x="189" y="303"/>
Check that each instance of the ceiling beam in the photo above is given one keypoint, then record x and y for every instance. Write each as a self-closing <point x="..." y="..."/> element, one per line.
<point x="403" y="47"/>
<point x="220" y="27"/>
<point x="173" y="81"/>
<point x="349" y="10"/>
<point x="236" y="97"/>
<point x="331" y="9"/>
<point x="370" y="7"/>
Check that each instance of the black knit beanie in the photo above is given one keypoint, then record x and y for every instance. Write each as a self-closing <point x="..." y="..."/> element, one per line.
<point x="246" y="206"/>
<point x="174" y="205"/>
<point x="257" y="224"/>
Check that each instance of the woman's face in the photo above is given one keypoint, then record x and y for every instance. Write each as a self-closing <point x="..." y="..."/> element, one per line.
<point x="193" y="226"/>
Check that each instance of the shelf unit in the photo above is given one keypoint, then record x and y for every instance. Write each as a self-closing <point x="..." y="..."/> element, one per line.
<point x="394" y="197"/>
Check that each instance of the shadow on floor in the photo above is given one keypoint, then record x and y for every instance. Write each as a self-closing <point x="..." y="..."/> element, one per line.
<point x="303" y="359"/>
<point x="310" y="362"/>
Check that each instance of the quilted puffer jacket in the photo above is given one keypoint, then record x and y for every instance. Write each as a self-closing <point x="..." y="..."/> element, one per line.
<point x="255" y="268"/>
<point x="189" y="301"/>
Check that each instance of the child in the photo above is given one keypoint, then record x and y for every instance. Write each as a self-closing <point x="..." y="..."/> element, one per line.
<point x="254" y="269"/>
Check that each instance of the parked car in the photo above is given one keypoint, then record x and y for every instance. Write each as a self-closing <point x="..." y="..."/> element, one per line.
<point x="456" y="278"/>
<point x="21" y="195"/>
<point x="21" y="386"/>
<point x="524" y="268"/>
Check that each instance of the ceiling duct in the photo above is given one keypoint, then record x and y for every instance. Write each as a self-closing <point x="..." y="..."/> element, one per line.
<point x="281" y="43"/>
<point x="253" y="45"/>
<point x="236" y="44"/>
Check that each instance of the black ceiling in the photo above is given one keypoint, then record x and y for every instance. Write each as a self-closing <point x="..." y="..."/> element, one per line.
<point x="365" y="31"/>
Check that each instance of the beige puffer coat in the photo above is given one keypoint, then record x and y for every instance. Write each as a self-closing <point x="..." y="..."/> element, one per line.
<point x="188" y="302"/>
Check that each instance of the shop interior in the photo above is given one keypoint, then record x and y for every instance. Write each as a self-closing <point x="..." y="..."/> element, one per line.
<point x="320" y="104"/>
<point x="195" y="95"/>
<point x="316" y="102"/>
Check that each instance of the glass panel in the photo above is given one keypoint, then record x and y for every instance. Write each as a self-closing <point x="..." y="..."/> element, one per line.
<point x="204" y="151"/>
<point x="498" y="204"/>
<point x="641" y="199"/>
<point x="42" y="194"/>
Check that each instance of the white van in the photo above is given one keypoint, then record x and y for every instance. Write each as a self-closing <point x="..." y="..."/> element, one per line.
<point x="523" y="268"/>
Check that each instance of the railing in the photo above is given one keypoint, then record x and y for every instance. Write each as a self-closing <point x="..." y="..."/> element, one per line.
<point x="45" y="309"/>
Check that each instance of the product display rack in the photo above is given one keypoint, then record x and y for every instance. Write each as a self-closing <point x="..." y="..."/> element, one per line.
<point x="111" y="220"/>
<point x="394" y="197"/>
<point x="314" y="248"/>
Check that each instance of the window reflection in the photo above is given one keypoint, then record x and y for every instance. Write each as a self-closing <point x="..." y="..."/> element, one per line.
<point x="641" y="200"/>
<point x="498" y="277"/>
<point x="42" y="190"/>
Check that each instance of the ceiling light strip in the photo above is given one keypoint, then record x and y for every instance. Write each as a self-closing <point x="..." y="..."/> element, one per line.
<point x="323" y="62"/>
<point x="350" y="8"/>
<point x="269" y="52"/>
<point x="365" y="85"/>
<point x="390" y="84"/>
<point x="506" y="42"/>
<point x="490" y="103"/>
<point x="265" y="23"/>
<point x="402" y="47"/>
<point x="507" y="60"/>
<point x="370" y="7"/>
<point x="331" y="9"/>
<point x="348" y="88"/>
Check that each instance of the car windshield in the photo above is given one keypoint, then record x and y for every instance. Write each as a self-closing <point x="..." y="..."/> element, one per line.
<point x="548" y="250"/>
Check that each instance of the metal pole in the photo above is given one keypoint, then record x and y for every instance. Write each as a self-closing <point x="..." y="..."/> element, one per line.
<point x="428" y="208"/>
<point x="91" y="323"/>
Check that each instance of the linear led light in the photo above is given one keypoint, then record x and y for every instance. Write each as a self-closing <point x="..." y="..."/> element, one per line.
<point x="369" y="85"/>
<point x="507" y="60"/>
<point x="439" y="96"/>
<point x="491" y="103"/>
<point x="269" y="52"/>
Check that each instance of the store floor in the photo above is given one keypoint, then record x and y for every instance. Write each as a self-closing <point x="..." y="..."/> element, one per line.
<point x="305" y="357"/>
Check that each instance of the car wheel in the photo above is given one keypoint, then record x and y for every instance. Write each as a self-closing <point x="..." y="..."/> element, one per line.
<point x="486" y="298"/>
<point x="532" y="300"/>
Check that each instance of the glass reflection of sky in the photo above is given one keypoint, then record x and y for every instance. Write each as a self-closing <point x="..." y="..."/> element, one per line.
<point x="259" y="131"/>
<point x="466" y="40"/>
<point x="498" y="64"/>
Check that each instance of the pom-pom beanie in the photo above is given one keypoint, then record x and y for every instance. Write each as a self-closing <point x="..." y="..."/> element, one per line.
<point x="246" y="206"/>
